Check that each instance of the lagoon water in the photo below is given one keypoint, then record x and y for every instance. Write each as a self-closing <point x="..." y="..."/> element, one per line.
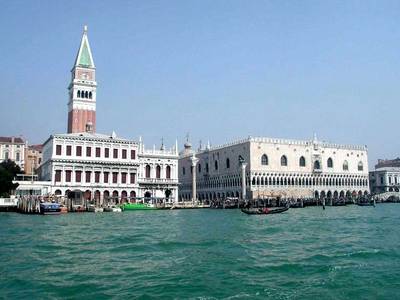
<point x="340" y="253"/>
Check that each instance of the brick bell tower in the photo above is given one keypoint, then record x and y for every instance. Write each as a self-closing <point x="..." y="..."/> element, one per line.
<point x="82" y="90"/>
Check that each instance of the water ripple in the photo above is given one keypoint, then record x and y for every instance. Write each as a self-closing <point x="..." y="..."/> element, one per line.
<point x="339" y="253"/>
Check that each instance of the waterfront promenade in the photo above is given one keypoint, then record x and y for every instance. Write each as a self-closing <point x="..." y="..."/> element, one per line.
<point x="338" y="253"/>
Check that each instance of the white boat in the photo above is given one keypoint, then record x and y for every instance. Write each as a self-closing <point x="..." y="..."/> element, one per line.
<point x="116" y="209"/>
<point x="95" y="209"/>
<point x="112" y="209"/>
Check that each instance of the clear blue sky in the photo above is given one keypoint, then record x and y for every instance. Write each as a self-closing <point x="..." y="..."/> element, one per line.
<point x="220" y="70"/>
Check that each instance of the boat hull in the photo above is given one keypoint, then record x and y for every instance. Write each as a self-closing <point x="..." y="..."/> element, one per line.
<point x="95" y="209"/>
<point x="365" y="204"/>
<point x="50" y="209"/>
<point x="112" y="209"/>
<point x="261" y="211"/>
<point x="137" y="206"/>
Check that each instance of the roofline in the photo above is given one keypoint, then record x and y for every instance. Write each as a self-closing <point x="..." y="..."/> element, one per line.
<point x="278" y="141"/>
<point x="72" y="136"/>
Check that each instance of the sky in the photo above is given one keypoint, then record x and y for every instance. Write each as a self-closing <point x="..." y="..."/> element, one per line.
<point x="218" y="70"/>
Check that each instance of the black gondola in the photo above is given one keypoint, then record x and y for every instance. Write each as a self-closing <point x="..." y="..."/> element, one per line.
<point x="366" y="204"/>
<point x="264" y="211"/>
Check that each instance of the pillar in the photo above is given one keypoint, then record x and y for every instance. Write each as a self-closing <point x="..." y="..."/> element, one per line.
<point x="243" y="165"/>
<point x="194" y="160"/>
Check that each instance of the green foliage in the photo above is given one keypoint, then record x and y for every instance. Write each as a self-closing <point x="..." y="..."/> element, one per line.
<point x="8" y="171"/>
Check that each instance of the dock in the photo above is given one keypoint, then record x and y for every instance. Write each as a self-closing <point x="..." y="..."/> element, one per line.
<point x="8" y="204"/>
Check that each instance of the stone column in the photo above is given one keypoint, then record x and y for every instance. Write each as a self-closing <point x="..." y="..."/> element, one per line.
<point x="243" y="166"/>
<point x="194" y="160"/>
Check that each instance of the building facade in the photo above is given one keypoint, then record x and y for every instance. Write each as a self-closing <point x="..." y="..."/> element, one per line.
<point x="33" y="158"/>
<point x="13" y="148"/>
<point x="105" y="166"/>
<point x="274" y="168"/>
<point x="386" y="176"/>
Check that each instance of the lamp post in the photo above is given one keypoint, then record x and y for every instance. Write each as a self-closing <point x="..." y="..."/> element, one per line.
<point x="194" y="160"/>
<point x="243" y="166"/>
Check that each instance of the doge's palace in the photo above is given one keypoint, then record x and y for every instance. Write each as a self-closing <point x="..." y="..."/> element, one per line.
<point x="274" y="168"/>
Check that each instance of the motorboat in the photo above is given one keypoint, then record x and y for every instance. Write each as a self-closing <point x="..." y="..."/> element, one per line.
<point x="112" y="209"/>
<point x="95" y="209"/>
<point x="78" y="208"/>
<point x="64" y="209"/>
<point x="138" y="206"/>
<point x="49" y="208"/>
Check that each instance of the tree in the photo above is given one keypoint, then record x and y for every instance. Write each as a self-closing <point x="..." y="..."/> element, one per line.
<point x="8" y="170"/>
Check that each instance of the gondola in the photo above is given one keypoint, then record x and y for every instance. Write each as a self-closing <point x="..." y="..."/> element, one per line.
<point x="339" y="203"/>
<point x="366" y="204"/>
<point x="264" y="211"/>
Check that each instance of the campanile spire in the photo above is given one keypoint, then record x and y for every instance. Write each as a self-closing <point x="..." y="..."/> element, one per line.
<point x="82" y="90"/>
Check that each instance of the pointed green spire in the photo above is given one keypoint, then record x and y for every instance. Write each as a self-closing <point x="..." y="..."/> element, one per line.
<point x="84" y="57"/>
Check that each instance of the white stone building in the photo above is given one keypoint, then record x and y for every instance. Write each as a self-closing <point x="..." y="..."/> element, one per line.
<point x="103" y="167"/>
<point x="274" y="167"/>
<point x="13" y="148"/>
<point x="385" y="177"/>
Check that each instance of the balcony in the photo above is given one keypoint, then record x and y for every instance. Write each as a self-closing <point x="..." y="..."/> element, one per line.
<point x="157" y="181"/>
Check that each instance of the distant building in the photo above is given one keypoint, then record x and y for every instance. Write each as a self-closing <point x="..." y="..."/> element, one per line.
<point x="274" y="167"/>
<point x="386" y="176"/>
<point x="13" y="148"/>
<point x="33" y="158"/>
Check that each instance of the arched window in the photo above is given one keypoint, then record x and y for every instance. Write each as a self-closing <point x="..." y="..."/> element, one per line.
<point x="199" y="167"/>
<point x="345" y="166"/>
<point x="330" y="163"/>
<point x="168" y="172"/>
<point x="360" y="166"/>
<point x="183" y="170"/>
<point x="6" y="155"/>
<point x="216" y="165"/>
<point x="79" y="94"/>
<point x="86" y="94"/>
<point x="264" y="160"/>
<point x="207" y="167"/>
<point x="228" y="163"/>
<point x="283" y="160"/>
<point x="317" y="165"/>
<point x="90" y="95"/>
<point x="302" y="162"/>
<point x="147" y="171"/>
<point x="158" y="172"/>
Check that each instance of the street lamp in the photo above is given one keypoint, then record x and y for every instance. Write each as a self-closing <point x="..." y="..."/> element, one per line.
<point x="243" y="165"/>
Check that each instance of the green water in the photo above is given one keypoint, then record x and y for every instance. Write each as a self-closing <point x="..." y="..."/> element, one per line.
<point x="341" y="253"/>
